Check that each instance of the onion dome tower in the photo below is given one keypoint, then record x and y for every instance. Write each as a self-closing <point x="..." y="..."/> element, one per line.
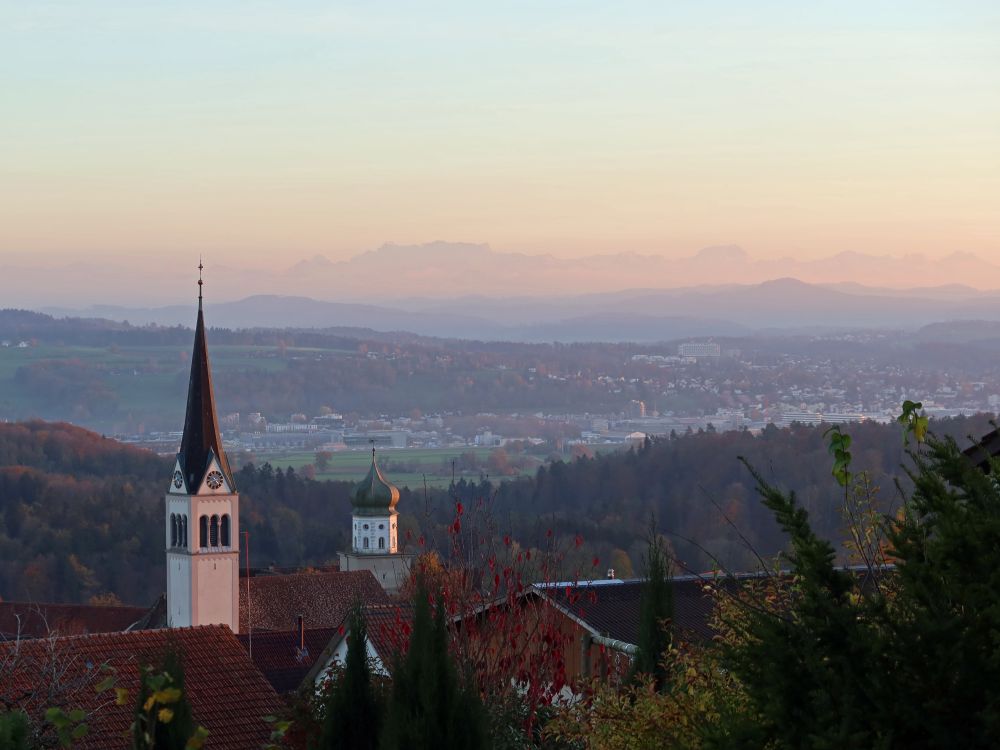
<point x="202" y="509"/>
<point x="374" y="531"/>
<point x="374" y="514"/>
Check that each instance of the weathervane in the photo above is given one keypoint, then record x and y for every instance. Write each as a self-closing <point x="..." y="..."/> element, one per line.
<point x="200" y="282"/>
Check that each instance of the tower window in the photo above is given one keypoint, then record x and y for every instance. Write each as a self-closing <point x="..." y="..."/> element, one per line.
<point x="173" y="530"/>
<point x="184" y="530"/>
<point x="203" y="532"/>
<point x="214" y="532"/>
<point x="366" y="542"/>
<point x="381" y="526"/>
<point x="225" y="530"/>
<point x="381" y="542"/>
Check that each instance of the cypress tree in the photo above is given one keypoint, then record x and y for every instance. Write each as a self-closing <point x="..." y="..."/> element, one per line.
<point x="162" y="714"/>
<point x="655" y="612"/>
<point x="430" y="705"/>
<point x="353" y="710"/>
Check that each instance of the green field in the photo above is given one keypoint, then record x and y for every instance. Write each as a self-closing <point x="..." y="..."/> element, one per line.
<point x="430" y="463"/>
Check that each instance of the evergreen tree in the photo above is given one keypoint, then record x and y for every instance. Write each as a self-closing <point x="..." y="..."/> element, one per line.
<point x="353" y="710"/>
<point x="14" y="726"/>
<point x="845" y="665"/>
<point x="655" y="613"/>
<point x="431" y="706"/>
<point x="805" y="671"/>
<point x="163" y="718"/>
<point x="945" y="620"/>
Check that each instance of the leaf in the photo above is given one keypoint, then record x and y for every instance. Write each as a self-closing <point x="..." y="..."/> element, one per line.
<point x="197" y="740"/>
<point x="121" y="696"/>
<point x="149" y="702"/>
<point x="80" y="731"/>
<point x="164" y="715"/>
<point x="77" y="715"/>
<point x="167" y="695"/>
<point x="106" y="684"/>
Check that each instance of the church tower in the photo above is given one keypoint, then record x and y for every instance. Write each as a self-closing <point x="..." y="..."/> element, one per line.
<point x="374" y="533"/>
<point x="202" y="510"/>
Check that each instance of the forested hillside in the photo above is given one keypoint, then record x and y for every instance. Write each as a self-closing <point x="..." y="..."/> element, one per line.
<point x="81" y="515"/>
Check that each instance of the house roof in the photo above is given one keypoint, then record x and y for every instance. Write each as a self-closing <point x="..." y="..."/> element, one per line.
<point x="611" y="607"/>
<point x="40" y="619"/>
<point x="388" y="627"/>
<point x="323" y="599"/>
<point x="227" y="694"/>
<point x="988" y="447"/>
<point x="280" y="658"/>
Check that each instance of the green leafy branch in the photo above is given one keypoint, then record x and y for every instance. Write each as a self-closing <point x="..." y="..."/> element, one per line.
<point x="839" y="447"/>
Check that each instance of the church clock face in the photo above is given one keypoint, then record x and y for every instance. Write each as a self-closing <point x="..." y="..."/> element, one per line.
<point x="214" y="480"/>
<point x="178" y="480"/>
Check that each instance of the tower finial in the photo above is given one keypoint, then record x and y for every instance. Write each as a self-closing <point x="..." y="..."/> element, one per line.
<point x="200" y="282"/>
<point x="372" y="441"/>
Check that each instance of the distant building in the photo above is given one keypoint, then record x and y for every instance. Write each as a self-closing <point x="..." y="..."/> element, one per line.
<point x="699" y="350"/>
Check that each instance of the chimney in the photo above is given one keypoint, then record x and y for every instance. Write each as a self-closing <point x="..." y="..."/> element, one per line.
<point x="302" y="632"/>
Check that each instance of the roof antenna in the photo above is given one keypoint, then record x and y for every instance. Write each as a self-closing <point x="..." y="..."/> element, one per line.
<point x="200" y="282"/>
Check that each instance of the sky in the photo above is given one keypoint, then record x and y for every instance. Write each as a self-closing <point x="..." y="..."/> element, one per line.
<point x="261" y="133"/>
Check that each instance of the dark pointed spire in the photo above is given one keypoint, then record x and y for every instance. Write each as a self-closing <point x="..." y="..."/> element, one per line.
<point x="201" y="425"/>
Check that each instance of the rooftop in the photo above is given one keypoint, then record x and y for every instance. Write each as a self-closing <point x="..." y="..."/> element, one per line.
<point x="228" y="695"/>
<point x="323" y="599"/>
<point x="40" y="619"/>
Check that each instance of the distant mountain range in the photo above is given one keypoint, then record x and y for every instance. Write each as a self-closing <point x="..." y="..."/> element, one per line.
<point x="446" y="270"/>
<point x="641" y="315"/>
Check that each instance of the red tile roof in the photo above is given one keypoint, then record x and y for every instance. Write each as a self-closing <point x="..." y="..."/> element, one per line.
<point x="323" y="599"/>
<point x="32" y="620"/>
<point x="278" y="656"/>
<point x="228" y="695"/>
<point x="388" y="628"/>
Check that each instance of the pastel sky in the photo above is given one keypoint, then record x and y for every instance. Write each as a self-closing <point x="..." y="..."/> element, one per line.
<point x="264" y="132"/>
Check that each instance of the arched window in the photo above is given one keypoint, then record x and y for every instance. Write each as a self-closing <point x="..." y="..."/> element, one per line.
<point x="203" y="532"/>
<point x="184" y="531"/>
<point x="213" y="536"/>
<point x="366" y="542"/>
<point x="225" y="530"/>
<point x="381" y="542"/>
<point x="173" y="530"/>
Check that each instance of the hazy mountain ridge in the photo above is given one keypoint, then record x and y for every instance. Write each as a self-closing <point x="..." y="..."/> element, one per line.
<point x="640" y="315"/>
<point x="447" y="270"/>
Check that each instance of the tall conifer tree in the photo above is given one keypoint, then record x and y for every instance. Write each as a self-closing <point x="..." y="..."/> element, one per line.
<point x="656" y="610"/>
<point x="353" y="711"/>
<point x="431" y="705"/>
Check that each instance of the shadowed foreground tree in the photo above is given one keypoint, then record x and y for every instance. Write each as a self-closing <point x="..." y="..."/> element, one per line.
<point x="352" y="714"/>
<point x="655" y="613"/>
<point x="431" y="704"/>
<point x="911" y="665"/>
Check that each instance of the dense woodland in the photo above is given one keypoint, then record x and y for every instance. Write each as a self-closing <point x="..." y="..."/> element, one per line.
<point x="82" y="516"/>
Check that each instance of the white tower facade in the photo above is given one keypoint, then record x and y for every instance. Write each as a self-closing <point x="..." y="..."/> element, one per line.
<point x="202" y="512"/>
